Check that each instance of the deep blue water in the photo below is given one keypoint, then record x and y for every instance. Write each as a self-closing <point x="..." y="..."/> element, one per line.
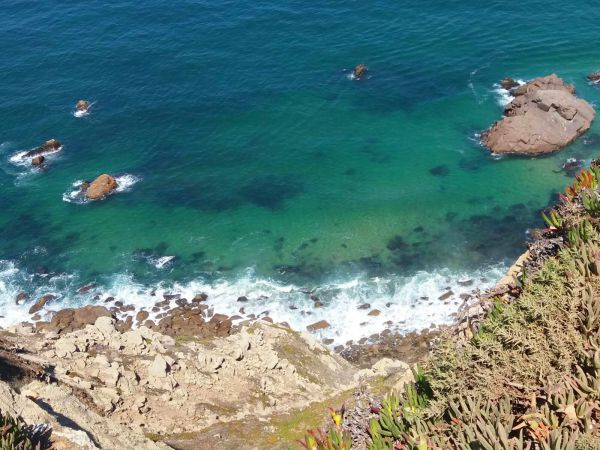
<point x="256" y="161"/>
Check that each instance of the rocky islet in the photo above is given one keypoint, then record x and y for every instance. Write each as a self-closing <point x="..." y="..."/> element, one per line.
<point x="543" y="117"/>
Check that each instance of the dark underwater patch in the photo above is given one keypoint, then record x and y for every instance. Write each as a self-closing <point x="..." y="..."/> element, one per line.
<point x="397" y="243"/>
<point x="591" y="139"/>
<point x="451" y="216"/>
<point x="439" y="171"/>
<point x="270" y="192"/>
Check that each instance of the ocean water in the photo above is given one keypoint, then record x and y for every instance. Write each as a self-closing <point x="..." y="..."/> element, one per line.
<point x="251" y="164"/>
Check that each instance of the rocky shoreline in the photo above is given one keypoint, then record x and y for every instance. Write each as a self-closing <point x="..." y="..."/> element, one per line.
<point x="129" y="381"/>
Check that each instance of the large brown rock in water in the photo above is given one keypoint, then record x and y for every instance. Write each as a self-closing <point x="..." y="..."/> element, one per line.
<point x="38" y="160"/>
<point x="101" y="187"/>
<point x="82" y="105"/>
<point x="48" y="147"/>
<point x="544" y="117"/>
<point x="360" y="71"/>
<point x="37" y="306"/>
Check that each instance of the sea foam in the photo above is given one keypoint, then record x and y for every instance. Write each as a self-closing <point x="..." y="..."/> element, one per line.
<point x="503" y="96"/>
<point x="406" y="304"/>
<point x="20" y="159"/>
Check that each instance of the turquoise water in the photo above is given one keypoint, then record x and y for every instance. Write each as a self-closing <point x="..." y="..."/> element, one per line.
<point x="260" y="165"/>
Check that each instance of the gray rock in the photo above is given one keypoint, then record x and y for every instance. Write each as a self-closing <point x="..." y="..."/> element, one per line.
<point x="159" y="367"/>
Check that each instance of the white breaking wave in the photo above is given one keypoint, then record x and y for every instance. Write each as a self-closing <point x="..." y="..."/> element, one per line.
<point x="13" y="281"/>
<point x="404" y="303"/>
<point x="20" y="159"/>
<point x="125" y="182"/>
<point x="504" y="96"/>
<point x="74" y="195"/>
<point x="85" y="112"/>
<point x="161" y="262"/>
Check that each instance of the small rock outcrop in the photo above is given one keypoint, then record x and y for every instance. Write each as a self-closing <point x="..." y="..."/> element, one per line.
<point x="544" y="117"/>
<point x="21" y="298"/>
<point x="359" y="71"/>
<point x="37" y="306"/>
<point x="320" y="325"/>
<point x="508" y="84"/>
<point x="594" y="76"/>
<point x="38" y="160"/>
<point x="101" y="187"/>
<point x="82" y="105"/>
<point x="48" y="147"/>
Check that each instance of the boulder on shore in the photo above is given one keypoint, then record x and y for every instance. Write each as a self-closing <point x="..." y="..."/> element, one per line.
<point x="544" y="117"/>
<point x="101" y="187"/>
<point x="48" y="147"/>
<point x="70" y="319"/>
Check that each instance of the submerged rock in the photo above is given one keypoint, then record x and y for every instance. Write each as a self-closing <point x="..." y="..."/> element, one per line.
<point x="101" y="187"/>
<point x="544" y="117"/>
<point x="572" y="166"/>
<point x="594" y="76"/>
<point x="48" y="147"/>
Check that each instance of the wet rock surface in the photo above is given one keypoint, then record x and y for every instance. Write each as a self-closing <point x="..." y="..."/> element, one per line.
<point x="359" y="71"/>
<point x="100" y="187"/>
<point x="594" y="76"/>
<point x="544" y="117"/>
<point x="38" y="160"/>
<point x="49" y="146"/>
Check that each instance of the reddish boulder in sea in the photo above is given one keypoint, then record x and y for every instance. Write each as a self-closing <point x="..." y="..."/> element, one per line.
<point x="101" y="187"/>
<point x="320" y="325"/>
<point x="544" y="117"/>
<point x="359" y="71"/>
<point x="82" y="105"/>
<point x="38" y="160"/>
<point x="141" y="316"/>
<point x="37" y="306"/>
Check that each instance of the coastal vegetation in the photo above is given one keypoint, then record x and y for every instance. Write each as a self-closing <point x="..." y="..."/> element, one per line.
<point x="529" y="375"/>
<point x="14" y="435"/>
